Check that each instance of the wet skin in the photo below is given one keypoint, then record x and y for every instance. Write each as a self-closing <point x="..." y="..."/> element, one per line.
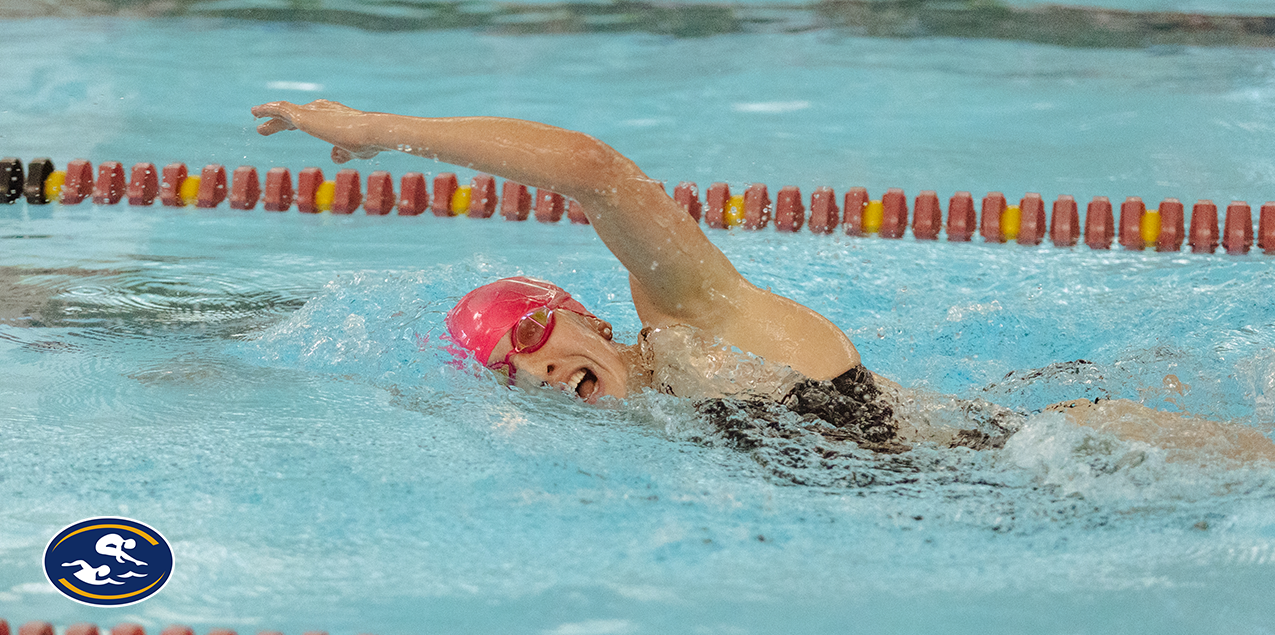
<point x="578" y="357"/>
<point x="1187" y="438"/>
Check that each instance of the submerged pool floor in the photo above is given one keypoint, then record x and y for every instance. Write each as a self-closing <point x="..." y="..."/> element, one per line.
<point x="268" y="389"/>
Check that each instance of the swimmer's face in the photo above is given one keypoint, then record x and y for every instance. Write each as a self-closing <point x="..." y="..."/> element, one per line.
<point x="578" y="357"/>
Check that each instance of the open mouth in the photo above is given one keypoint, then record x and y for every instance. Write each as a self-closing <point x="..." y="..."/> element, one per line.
<point x="583" y="383"/>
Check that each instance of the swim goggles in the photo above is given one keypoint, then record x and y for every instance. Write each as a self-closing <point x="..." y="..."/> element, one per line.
<point x="528" y="335"/>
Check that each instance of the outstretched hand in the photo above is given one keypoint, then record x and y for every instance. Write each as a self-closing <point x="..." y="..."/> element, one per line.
<point x="327" y="120"/>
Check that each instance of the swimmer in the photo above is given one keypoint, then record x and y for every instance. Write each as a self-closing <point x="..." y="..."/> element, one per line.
<point x="708" y="333"/>
<point x="92" y="575"/>
<point x="114" y="545"/>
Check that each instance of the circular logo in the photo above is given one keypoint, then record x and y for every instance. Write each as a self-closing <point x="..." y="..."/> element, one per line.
<point x="108" y="561"/>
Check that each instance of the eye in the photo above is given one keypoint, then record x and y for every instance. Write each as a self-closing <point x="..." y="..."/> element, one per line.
<point x="528" y="333"/>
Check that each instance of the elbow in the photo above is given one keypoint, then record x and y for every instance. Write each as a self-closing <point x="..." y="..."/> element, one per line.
<point x="594" y="169"/>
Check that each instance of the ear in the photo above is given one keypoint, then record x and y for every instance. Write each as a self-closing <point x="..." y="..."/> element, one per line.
<point x="602" y="327"/>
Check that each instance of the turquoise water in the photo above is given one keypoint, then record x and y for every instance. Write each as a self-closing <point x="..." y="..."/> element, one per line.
<point x="266" y="389"/>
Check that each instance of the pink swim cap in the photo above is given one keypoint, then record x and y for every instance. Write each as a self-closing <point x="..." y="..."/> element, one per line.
<point x="481" y="318"/>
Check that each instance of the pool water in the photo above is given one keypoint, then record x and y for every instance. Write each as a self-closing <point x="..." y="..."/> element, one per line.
<point x="268" y="390"/>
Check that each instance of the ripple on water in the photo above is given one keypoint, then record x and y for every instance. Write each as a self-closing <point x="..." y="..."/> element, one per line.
<point x="105" y="304"/>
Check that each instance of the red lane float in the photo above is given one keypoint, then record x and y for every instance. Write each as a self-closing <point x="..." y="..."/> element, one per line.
<point x="1266" y="228"/>
<point x="482" y="197"/>
<point x="177" y="629"/>
<point x="308" y="182"/>
<point x="856" y="200"/>
<point x="715" y="203"/>
<point x="212" y="186"/>
<point x="413" y="196"/>
<point x="445" y="186"/>
<point x="1031" y="223"/>
<point x="686" y="194"/>
<point x="1099" y="223"/>
<point x="824" y="214"/>
<point x="549" y="206"/>
<point x="894" y="216"/>
<point x="36" y="628"/>
<point x="1171" y="226"/>
<point x="380" y="194"/>
<point x="1131" y="212"/>
<point x="990" y="225"/>
<point x="79" y="182"/>
<point x="927" y="217"/>
<point x="143" y="185"/>
<point x="128" y="628"/>
<point x="170" y="188"/>
<point x="994" y="205"/>
<point x="82" y="629"/>
<point x="961" y="221"/>
<point x="245" y="188"/>
<point x="1238" y="237"/>
<point x="348" y="193"/>
<point x="1204" y="227"/>
<point x="756" y="207"/>
<point x="110" y="185"/>
<point x="1064" y="224"/>
<point x="278" y="194"/>
<point x="575" y="213"/>
<point x="790" y="213"/>
<point x="515" y="201"/>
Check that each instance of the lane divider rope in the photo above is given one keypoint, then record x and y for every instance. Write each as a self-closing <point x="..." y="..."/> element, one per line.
<point x="1163" y="228"/>
<point x="124" y="628"/>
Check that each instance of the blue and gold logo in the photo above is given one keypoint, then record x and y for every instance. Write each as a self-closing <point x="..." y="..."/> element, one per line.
<point x="108" y="561"/>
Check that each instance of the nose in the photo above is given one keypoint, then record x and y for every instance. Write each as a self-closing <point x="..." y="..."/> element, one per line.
<point x="541" y="370"/>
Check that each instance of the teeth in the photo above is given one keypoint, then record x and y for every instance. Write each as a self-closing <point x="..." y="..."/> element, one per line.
<point x="575" y="380"/>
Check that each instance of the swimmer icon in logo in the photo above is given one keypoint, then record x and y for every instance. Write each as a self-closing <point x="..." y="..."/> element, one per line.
<point x="108" y="561"/>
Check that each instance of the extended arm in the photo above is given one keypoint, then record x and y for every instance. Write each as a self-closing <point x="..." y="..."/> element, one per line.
<point x="678" y="275"/>
<point x="662" y="247"/>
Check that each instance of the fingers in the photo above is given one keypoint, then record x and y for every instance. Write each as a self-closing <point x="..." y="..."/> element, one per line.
<point x="273" y="109"/>
<point x="274" y="125"/>
<point x="280" y="113"/>
<point x="285" y="116"/>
